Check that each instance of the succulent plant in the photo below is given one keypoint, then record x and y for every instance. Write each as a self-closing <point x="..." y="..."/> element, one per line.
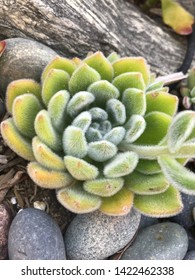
<point x="105" y="134"/>
<point x="188" y="89"/>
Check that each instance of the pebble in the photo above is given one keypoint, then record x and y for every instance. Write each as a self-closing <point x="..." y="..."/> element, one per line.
<point x="147" y="221"/>
<point x="96" y="236"/>
<point x="163" y="241"/>
<point x="185" y="218"/>
<point x="190" y="255"/>
<point x="5" y="220"/>
<point x="34" y="235"/>
<point x="23" y="58"/>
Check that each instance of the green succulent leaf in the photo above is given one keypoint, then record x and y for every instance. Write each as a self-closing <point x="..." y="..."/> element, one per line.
<point x="102" y="65"/>
<point x="162" y="102"/>
<point x="93" y="135"/>
<point x="148" y="167"/>
<point x="57" y="109"/>
<point x="15" y="140"/>
<point x="116" y="111"/>
<point x="135" y="102"/>
<point x="132" y="64"/>
<point x="104" y="187"/>
<point x="115" y="135"/>
<point x="25" y="108"/>
<point x="118" y="204"/>
<point x="83" y="121"/>
<point x="48" y="179"/>
<point x="74" y="142"/>
<point x="113" y="57"/>
<point x="136" y="126"/>
<point x="46" y="132"/>
<point x="144" y="184"/>
<point x="80" y="169"/>
<point x="122" y="164"/>
<point x="178" y="175"/>
<point x="154" y="85"/>
<point x="77" y="200"/>
<point x="55" y="81"/>
<point x="191" y="79"/>
<point x="46" y="157"/>
<point x="180" y="129"/>
<point x="101" y="151"/>
<point x="20" y="87"/>
<point x="98" y="114"/>
<point x="82" y="78"/>
<point x="129" y="80"/>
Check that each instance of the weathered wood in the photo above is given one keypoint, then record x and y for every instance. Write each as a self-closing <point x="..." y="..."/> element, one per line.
<point x="75" y="27"/>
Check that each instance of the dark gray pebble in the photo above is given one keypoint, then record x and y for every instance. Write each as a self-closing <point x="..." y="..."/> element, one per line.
<point x="5" y="220"/>
<point x="34" y="235"/>
<point x="164" y="241"/>
<point x="190" y="255"/>
<point x="96" y="236"/>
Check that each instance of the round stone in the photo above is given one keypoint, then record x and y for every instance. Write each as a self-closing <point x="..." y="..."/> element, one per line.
<point x="5" y="220"/>
<point x="96" y="236"/>
<point x="164" y="241"/>
<point x="23" y="58"/>
<point x="34" y="235"/>
<point x="190" y="255"/>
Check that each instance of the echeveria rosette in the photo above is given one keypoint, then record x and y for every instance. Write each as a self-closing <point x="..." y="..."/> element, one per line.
<point x="104" y="134"/>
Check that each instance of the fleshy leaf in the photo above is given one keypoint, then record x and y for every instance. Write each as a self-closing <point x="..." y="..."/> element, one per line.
<point x="101" y="150"/>
<point x="140" y="183"/>
<point x="148" y="167"/>
<point x="57" y="109"/>
<point x="80" y="169"/>
<point x="83" y="121"/>
<point x="102" y="65"/>
<point x="77" y="200"/>
<point x="129" y="80"/>
<point x="2" y="47"/>
<point x="132" y="64"/>
<point x="135" y="102"/>
<point x="103" y="91"/>
<point x="48" y="179"/>
<point x="17" y="142"/>
<point x="162" y="102"/>
<point x="116" y="111"/>
<point x="60" y="63"/>
<point x="93" y="135"/>
<point x="122" y="164"/>
<point x="177" y="17"/>
<point x="20" y="87"/>
<point x="79" y="102"/>
<point x="180" y="129"/>
<point x="74" y="142"/>
<point x="191" y="80"/>
<point x="98" y="114"/>
<point x="25" y="108"/>
<point x="118" y="204"/>
<point x="46" y="157"/>
<point x="160" y="205"/>
<point x="55" y="81"/>
<point x="136" y="126"/>
<point x="113" y="57"/>
<point x="82" y="78"/>
<point x="178" y="175"/>
<point x="46" y="132"/>
<point x="103" y="186"/>
<point x="115" y="135"/>
<point x="155" y="85"/>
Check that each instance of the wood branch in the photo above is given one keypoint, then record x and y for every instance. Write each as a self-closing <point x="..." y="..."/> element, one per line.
<point x="75" y="27"/>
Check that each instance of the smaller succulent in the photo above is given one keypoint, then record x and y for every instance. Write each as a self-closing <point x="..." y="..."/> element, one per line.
<point x="188" y="90"/>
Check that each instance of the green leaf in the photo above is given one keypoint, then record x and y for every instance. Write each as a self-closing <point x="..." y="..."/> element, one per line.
<point x="178" y="175"/>
<point x="148" y="167"/>
<point x="55" y="81"/>
<point x="136" y="126"/>
<point x="101" y="150"/>
<point x="116" y="111"/>
<point x="113" y="57"/>
<point x="154" y="85"/>
<point x="191" y="80"/>
<point x="20" y="87"/>
<point x="78" y="201"/>
<point x="93" y="135"/>
<point x="115" y="135"/>
<point x="101" y="64"/>
<point x="25" y="108"/>
<point x="177" y="17"/>
<point x="48" y="179"/>
<point x="83" y="121"/>
<point x="135" y="102"/>
<point x="98" y="114"/>
<point x="118" y="204"/>
<point x="57" y="109"/>
<point x="103" y="186"/>
<point x="74" y="142"/>
<point x="132" y="64"/>
<point x="180" y="129"/>
<point x="82" y="78"/>
<point x="80" y="169"/>
<point x="15" y="140"/>
<point x="162" y="102"/>
<point x="161" y="205"/>
<point x="122" y="164"/>
<point x="140" y="183"/>
<point x="46" y="157"/>
<point x="129" y="80"/>
<point x="46" y="132"/>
